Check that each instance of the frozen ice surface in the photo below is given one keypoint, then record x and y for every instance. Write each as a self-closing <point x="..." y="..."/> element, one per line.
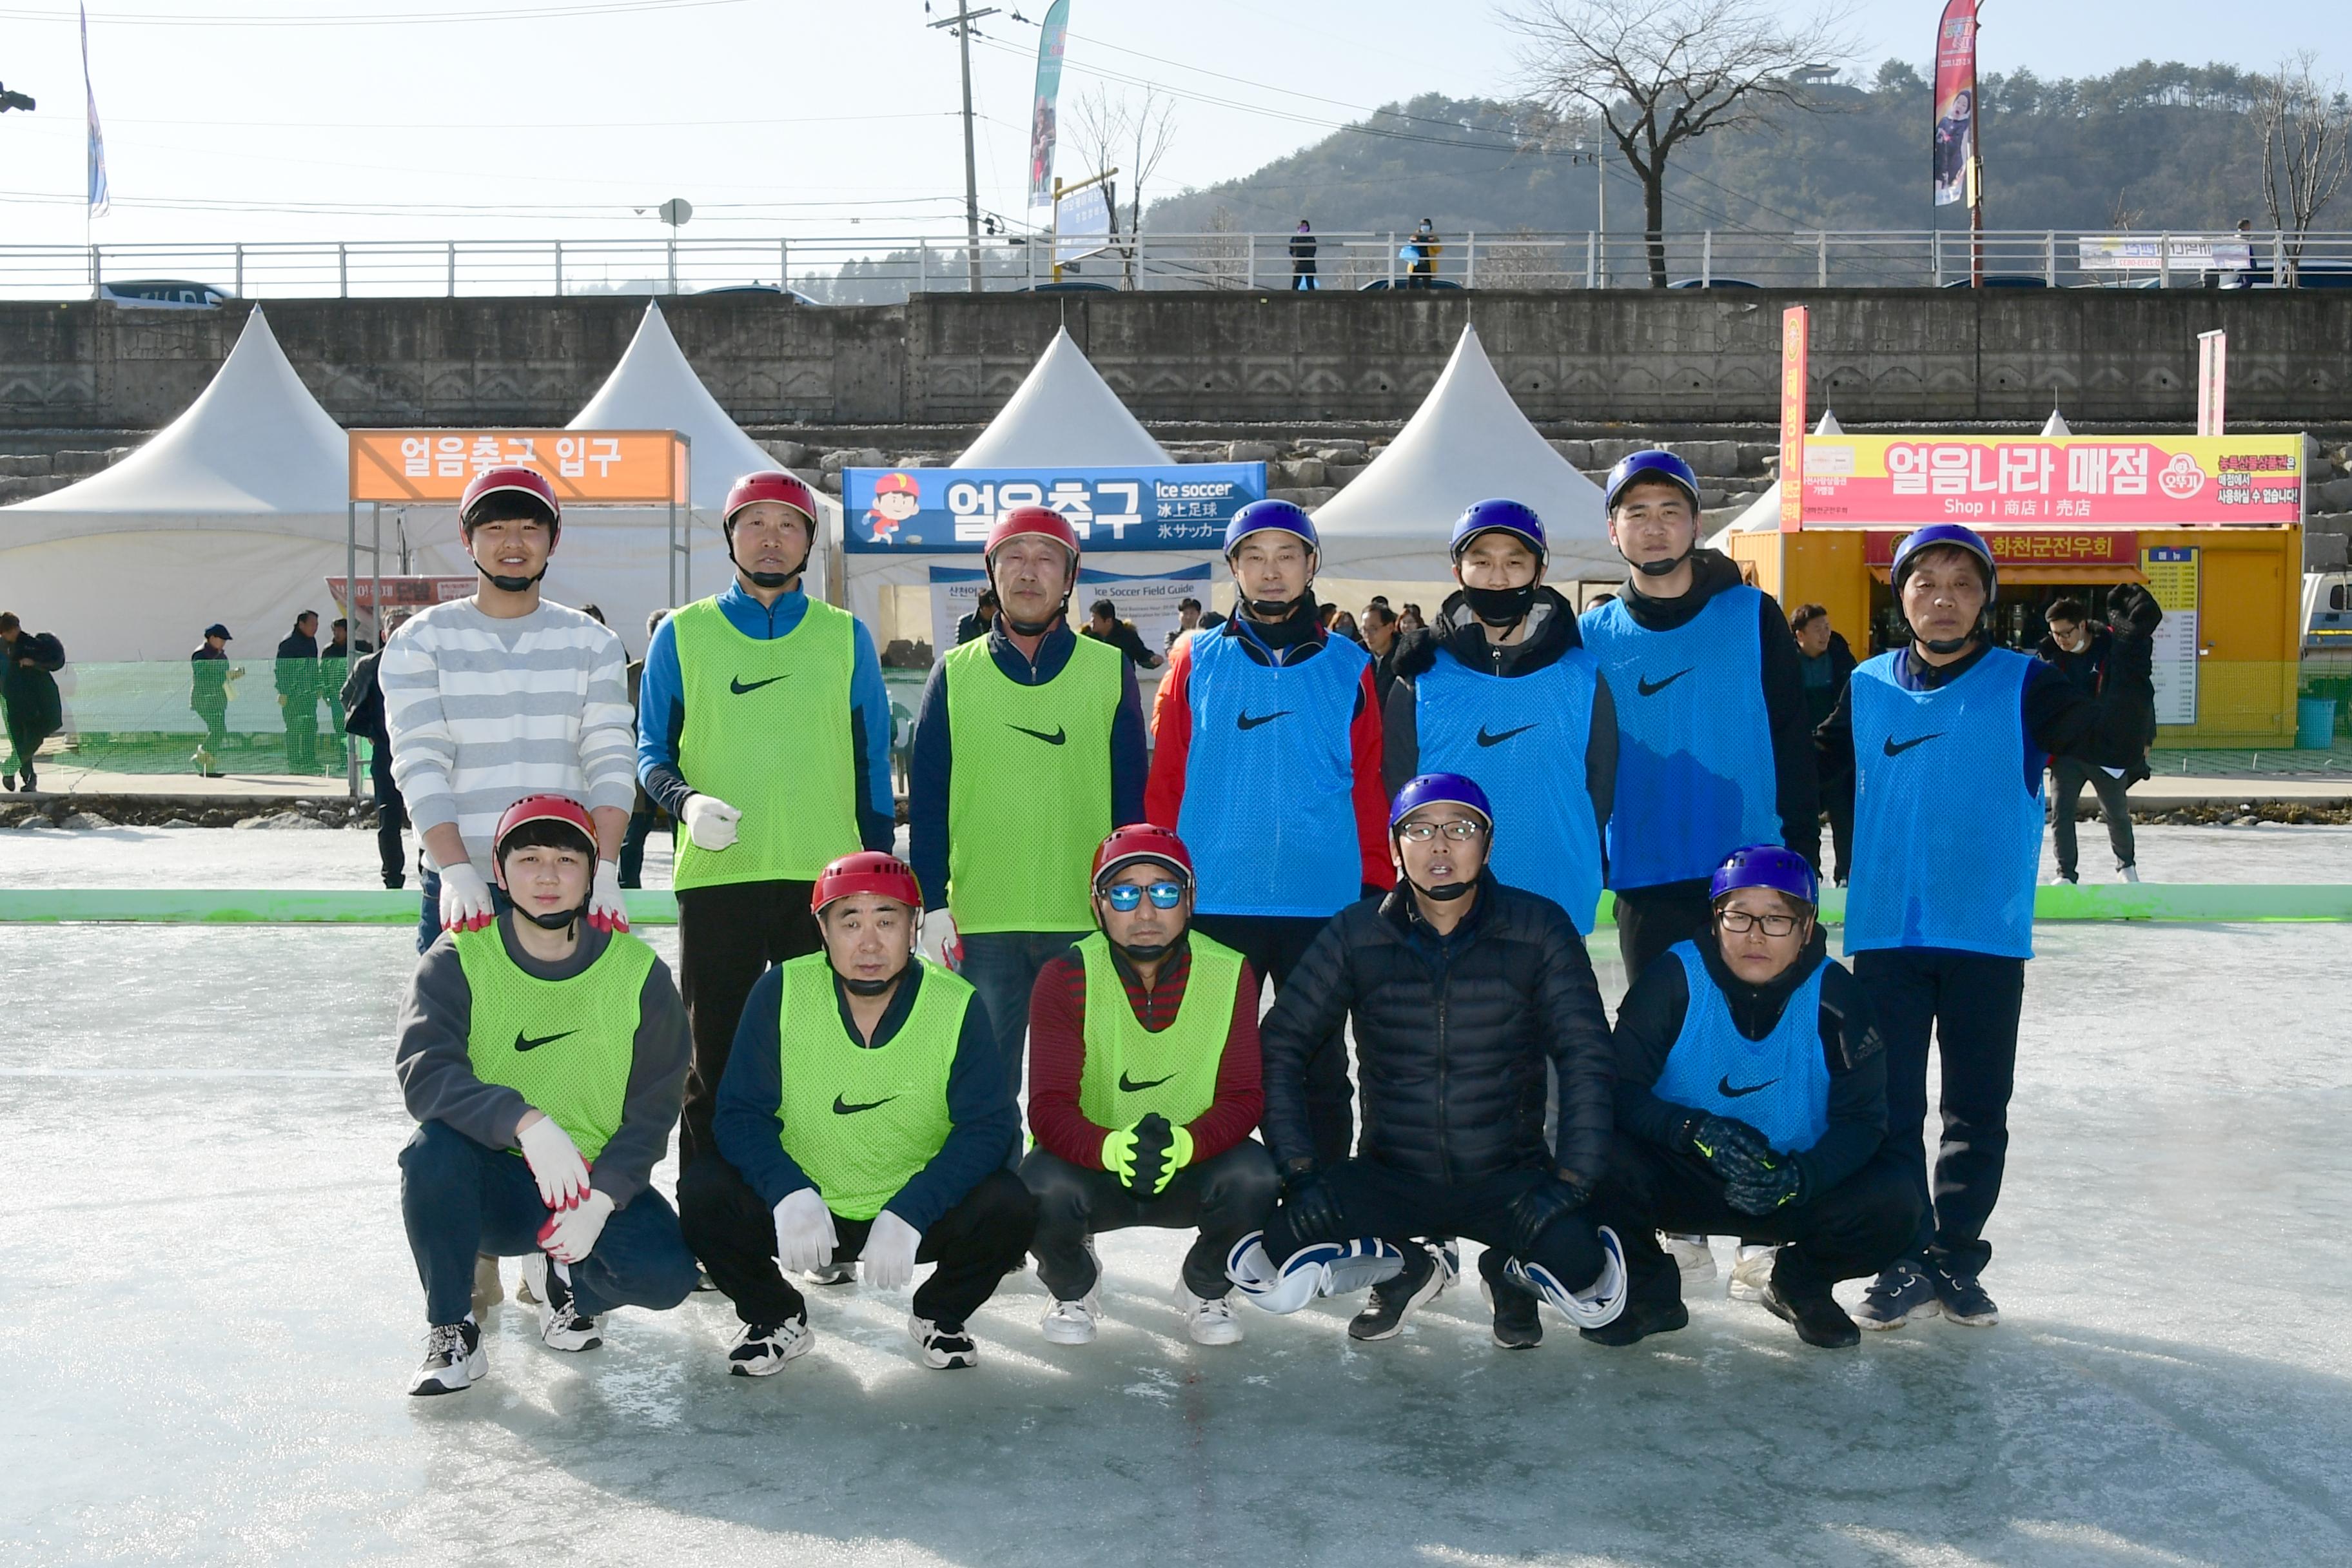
<point x="212" y="1316"/>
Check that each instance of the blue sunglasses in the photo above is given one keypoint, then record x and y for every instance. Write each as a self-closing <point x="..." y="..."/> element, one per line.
<point x="1126" y="896"/>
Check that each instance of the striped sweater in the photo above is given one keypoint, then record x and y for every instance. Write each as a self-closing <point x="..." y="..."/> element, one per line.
<point x="484" y="711"/>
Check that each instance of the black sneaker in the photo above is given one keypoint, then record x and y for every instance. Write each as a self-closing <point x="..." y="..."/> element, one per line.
<point x="1639" y="1321"/>
<point x="1394" y="1298"/>
<point x="1901" y="1292"/>
<point x="1517" y="1325"/>
<point x="943" y="1346"/>
<point x="1964" y="1300"/>
<point x="1814" y="1314"/>
<point x="453" y="1359"/>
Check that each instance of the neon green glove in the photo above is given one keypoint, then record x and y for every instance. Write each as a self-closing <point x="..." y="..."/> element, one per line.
<point x="1146" y="1156"/>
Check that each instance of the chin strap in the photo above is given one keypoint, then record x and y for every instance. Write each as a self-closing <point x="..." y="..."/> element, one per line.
<point x="510" y="585"/>
<point x="765" y="579"/>
<point x="1444" y="893"/>
<point x="1664" y="568"/>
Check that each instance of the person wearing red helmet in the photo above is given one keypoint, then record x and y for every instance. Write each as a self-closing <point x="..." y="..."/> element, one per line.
<point x="1028" y="748"/>
<point x="1143" y="1090"/>
<point x="863" y="1119"/>
<point x="542" y="1057"/>
<point x="763" y="729"/>
<point x="496" y="695"/>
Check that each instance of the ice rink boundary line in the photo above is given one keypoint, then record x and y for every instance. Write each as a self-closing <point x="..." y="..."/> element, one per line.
<point x="2206" y="903"/>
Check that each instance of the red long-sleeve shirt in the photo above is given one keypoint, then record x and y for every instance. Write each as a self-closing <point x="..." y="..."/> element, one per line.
<point x="1171" y="729"/>
<point x="1058" y="1056"/>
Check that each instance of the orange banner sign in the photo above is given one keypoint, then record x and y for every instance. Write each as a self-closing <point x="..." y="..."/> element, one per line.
<point x="591" y="468"/>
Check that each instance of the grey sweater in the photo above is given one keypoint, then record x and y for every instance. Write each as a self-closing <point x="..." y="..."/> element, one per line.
<point x="437" y="1076"/>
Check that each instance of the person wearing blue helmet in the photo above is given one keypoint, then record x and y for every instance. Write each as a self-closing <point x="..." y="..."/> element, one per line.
<point x="1946" y="740"/>
<point x="1751" y="1099"/>
<point x="1505" y="693"/>
<point x="1713" y="740"/>
<point x="1267" y="761"/>
<point x="1460" y="991"/>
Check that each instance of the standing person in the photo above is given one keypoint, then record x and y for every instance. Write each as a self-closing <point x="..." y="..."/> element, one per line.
<point x="644" y="813"/>
<point x="764" y="729"/>
<point x="982" y="616"/>
<point x="1714" y="748"/>
<point x="2087" y="655"/>
<point x="1948" y="738"/>
<point x="1029" y="748"/>
<point x="549" y="1154"/>
<point x="29" y="694"/>
<point x="1460" y="991"/>
<point x="1424" y="253"/>
<point x="1380" y="626"/>
<point x="361" y="698"/>
<point x="297" y="692"/>
<point x="1144" y="1090"/>
<point x="334" y="667"/>
<point x="1827" y="663"/>
<point x="1104" y="626"/>
<point x="1267" y="761"/>
<point x="863" y="1119"/>
<point x="1506" y="696"/>
<point x="1302" y="258"/>
<point x="1751" y="1097"/>
<point x="209" y="674"/>
<point x="497" y="695"/>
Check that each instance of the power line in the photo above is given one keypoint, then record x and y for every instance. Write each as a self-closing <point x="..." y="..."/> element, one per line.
<point x="574" y="8"/>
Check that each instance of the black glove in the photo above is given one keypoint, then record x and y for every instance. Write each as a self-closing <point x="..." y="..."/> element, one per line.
<point x="1778" y="1187"/>
<point x="1732" y="1150"/>
<point x="1537" y="1207"/>
<point x="1154" y="1139"/>
<point x="1313" y="1207"/>
<point x="2132" y="612"/>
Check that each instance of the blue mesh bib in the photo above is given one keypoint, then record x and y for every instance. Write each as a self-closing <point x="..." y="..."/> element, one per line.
<point x="1778" y="1085"/>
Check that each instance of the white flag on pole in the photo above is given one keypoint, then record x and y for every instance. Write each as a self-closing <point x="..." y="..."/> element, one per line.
<point x="98" y="191"/>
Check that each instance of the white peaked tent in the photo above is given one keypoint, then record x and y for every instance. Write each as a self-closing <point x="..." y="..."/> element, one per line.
<point x="1763" y="514"/>
<point x="1064" y="412"/>
<point x="1467" y="442"/>
<point x="234" y="512"/>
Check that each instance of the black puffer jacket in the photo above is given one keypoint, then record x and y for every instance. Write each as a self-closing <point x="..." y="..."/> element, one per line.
<point x="1452" y="1035"/>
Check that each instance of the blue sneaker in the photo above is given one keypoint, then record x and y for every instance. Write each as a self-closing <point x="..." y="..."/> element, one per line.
<point x="1901" y="1292"/>
<point x="1963" y="1300"/>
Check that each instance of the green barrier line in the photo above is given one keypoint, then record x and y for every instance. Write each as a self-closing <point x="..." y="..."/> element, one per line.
<point x="2209" y="902"/>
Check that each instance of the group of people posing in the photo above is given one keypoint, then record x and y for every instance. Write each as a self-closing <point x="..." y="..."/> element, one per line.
<point x="1093" y="903"/>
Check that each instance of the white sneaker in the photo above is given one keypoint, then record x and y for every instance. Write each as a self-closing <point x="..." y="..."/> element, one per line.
<point x="1750" y="1274"/>
<point x="943" y="1348"/>
<point x="1691" y="1256"/>
<point x="487" y="1291"/>
<point x="1072" y="1323"/>
<point x="832" y="1274"/>
<point x="760" y="1349"/>
<point x="454" y="1360"/>
<point x="561" y="1326"/>
<point x="1213" y="1322"/>
<point x="2129" y="873"/>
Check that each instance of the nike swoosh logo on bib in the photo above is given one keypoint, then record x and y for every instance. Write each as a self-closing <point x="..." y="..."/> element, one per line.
<point x="525" y="1043"/>
<point x="739" y="690"/>
<point x="1128" y="1086"/>
<point x="1723" y="1087"/>
<point x="1061" y="733"/>
<point x="1649" y="688"/>
<point x="1896" y="749"/>
<point x="1243" y="721"/>
<point x="1487" y="740"/>
<point x="843" y="1107"/>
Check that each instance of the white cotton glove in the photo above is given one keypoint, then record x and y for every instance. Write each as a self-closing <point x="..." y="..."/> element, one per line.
<point x="464" y="899"/>
<point x="939" y="941"/>
<point x="804" y="1238"/>
<point x="607" y="909"/>
<point x="555" y="1164"/>
<point x="710" y="822"/>
<point x="889" y="1252"/>
<point x="571" y="1235"/>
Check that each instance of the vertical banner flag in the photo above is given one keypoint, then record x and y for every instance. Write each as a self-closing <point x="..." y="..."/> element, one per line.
<point x="2212" y="380"/>
<point x="1795" y="322"/>
<point x="1041" y="116"/>
<point x="1956" y="103"/>
<point x="98" y="191"/>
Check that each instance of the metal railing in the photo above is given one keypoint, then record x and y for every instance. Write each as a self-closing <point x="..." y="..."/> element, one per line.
<point x="870" y="269"/>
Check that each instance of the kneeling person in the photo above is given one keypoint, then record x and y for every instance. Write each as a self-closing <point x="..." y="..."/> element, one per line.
<point x="1751" y="1100"/>
<point x="863" y="1117"/>
<point x="1143" y="1088"/>
<point x="543" y="1060"/>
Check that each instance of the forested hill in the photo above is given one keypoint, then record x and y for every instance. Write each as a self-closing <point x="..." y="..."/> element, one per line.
<point x="2154" y="146"/>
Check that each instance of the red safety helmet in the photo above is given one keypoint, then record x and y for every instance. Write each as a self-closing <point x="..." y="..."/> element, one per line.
<point x="867" y="871"/>
<point x="768" y="484"/>
<point x="1042" y="521"/>
<point x="1142" y="841"/>
<point x="514" y="480"/>
<point x="538" y="808"/>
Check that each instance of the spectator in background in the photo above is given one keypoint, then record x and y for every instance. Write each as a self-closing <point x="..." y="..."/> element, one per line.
<point x="1827" y="663"/>
<point x="1411" y="618"/>
<point x="1379" y="640"/>
<point x="1424" y="254"/>
<point x="982" y="616"/>
<point x="361" y="694"/>
<point x="29" y="692"/>
<point x="1104" y="626"/>
<point x="334" y="667"/>
<point x="297" y="692"/>
<point x="2087" y="655"/>
<point x="209" y="675"/>
<point x="1344" y="625"/>
<point x="1302" y="258"/>
<point x="645" y="812"/>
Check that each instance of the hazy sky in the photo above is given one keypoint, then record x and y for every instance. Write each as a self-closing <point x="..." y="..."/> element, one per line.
<point x="554" y="118"/>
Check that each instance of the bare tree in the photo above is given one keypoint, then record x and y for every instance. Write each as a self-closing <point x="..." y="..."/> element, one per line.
<point x="1658" y="73"/>
<point x="2306" y="146"/>
<point x="1133" y="137"/>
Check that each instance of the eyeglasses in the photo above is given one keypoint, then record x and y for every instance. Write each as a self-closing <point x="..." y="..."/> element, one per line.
<point x="1739" y="922"/>
<point x="1126" y="896"/>
<point x="1462" y="830"/>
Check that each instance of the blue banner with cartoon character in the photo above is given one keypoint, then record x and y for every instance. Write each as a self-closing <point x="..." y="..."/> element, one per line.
<point x="931" y="512"/>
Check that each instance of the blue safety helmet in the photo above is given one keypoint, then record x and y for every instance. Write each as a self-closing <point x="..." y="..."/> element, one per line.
<point x="1935" y="533"/>
<point x="1261" y="515"/>
<point x="1651" y="465"/>
<point x="1767" y="866"/>
<point x="1506" y="516"/>
<point x="1439" y="789"/>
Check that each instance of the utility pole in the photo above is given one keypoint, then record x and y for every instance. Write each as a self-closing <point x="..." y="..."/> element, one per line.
<point x="1597" y="158"/>
<point x="961" y="22"/>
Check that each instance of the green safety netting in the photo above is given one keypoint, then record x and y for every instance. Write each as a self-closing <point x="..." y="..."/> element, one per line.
<point x="150" y="718"/>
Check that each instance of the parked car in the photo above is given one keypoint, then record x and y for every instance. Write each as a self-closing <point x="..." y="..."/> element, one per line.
<point x="164" y="294"/>
<point x="2003" y="281"/>
<point x="1713" y="283"/>
<point x="1070" y="286"/>
<point x="1405" y="284"/>
<point x="2316" y="272"/>
<point x="794" y="295"/>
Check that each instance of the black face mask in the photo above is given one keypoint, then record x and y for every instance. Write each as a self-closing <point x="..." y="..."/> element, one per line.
<point x="1444" y="893"/>
<point x="1145" y="953"/>
<point x="1500" y="606"/>
<point x="1662" y="568"/>
<point x="1272" y="609"/>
